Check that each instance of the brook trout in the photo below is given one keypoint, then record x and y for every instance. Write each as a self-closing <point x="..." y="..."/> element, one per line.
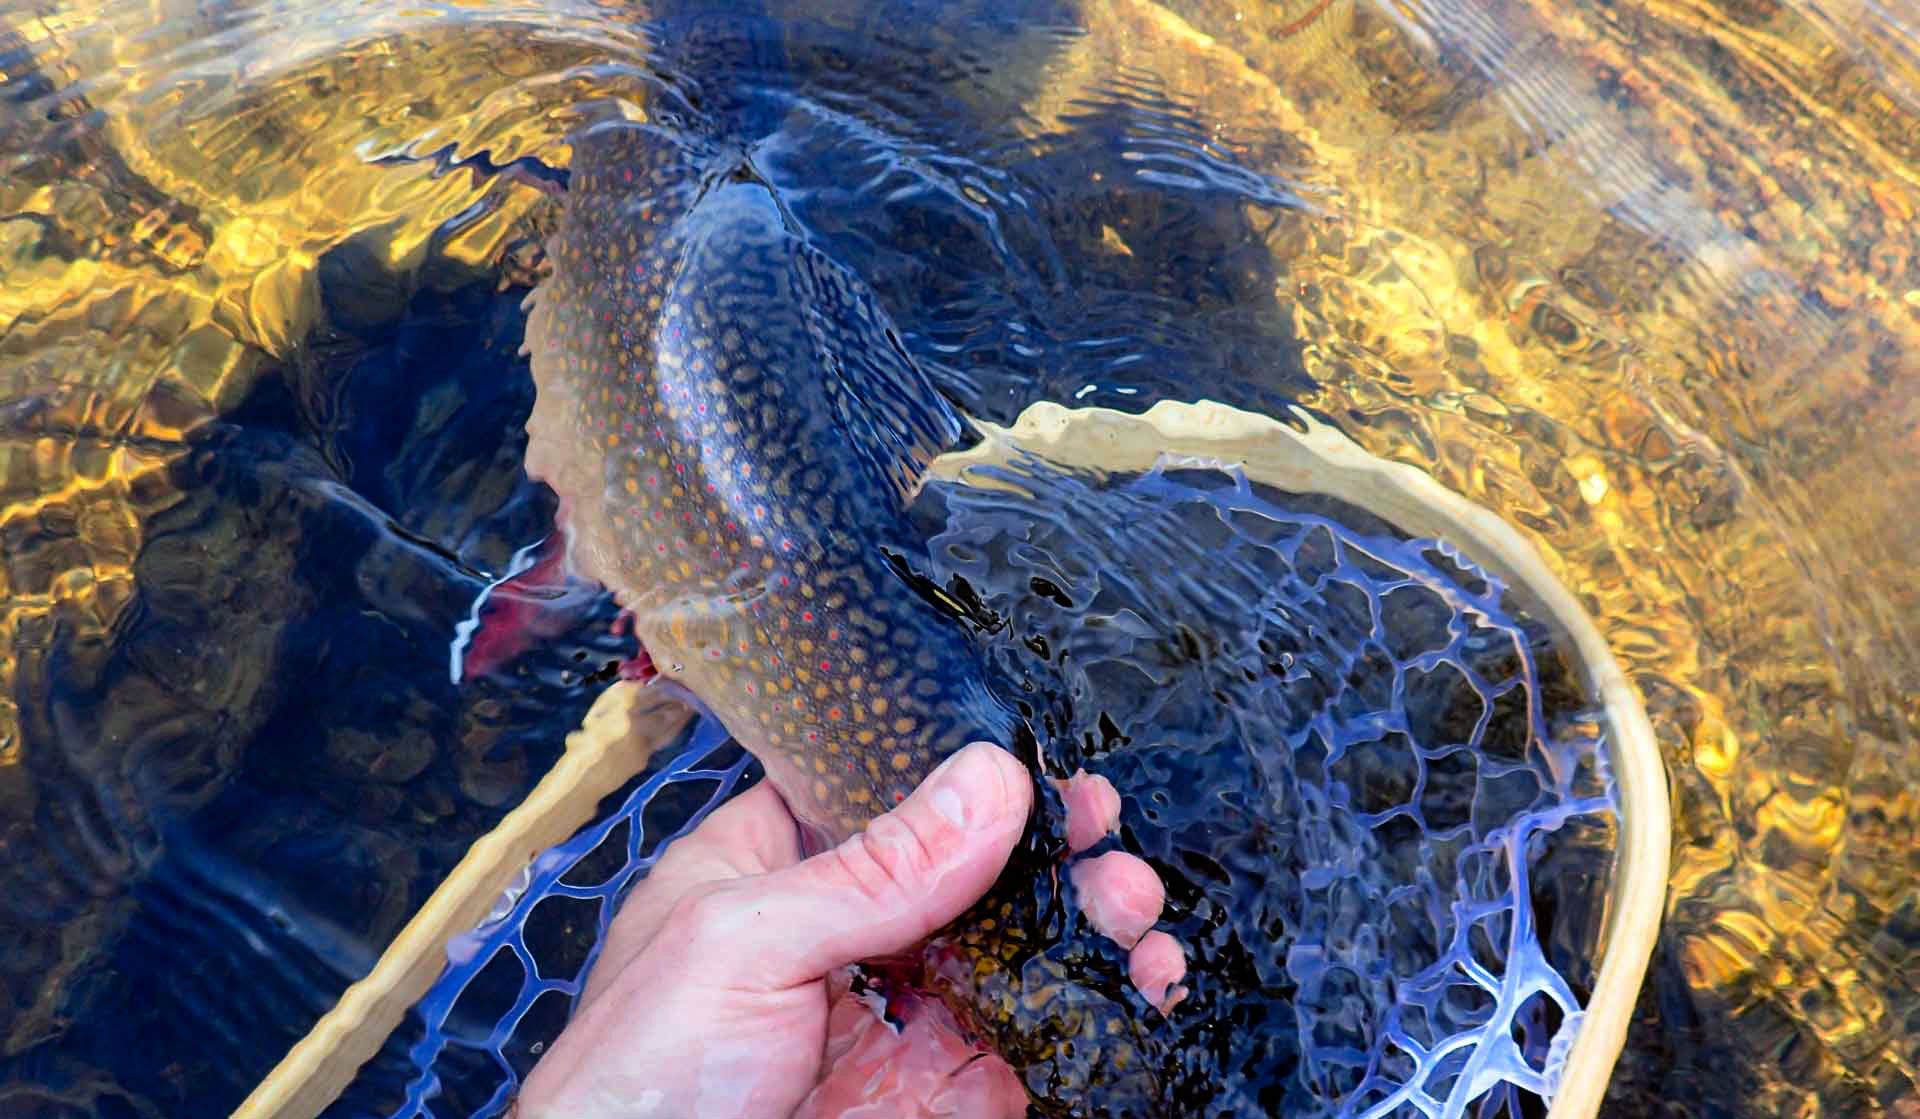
<point x="738" y="429"/>
<point x="738" y="432"/>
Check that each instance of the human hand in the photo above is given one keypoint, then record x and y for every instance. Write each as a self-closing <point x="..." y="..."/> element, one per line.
<point x="718" y="991"/>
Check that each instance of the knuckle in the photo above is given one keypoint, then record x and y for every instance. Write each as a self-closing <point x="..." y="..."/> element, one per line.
<point x="888" y="861"/>
<point x="700" y="913"/>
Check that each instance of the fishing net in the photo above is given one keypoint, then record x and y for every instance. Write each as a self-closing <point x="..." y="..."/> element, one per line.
<point x="1382" y="794"/>
<point x="510" y="982"/>
<point x="1347" y="753"/>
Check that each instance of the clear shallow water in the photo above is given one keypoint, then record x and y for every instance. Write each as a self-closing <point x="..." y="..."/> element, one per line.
<point x="1637" y="279"/>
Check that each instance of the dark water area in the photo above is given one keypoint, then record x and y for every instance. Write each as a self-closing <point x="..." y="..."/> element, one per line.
<point x="272" y="756"/>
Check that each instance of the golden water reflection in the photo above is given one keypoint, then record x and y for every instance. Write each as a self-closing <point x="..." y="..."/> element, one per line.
<point x="1639" y="276"/>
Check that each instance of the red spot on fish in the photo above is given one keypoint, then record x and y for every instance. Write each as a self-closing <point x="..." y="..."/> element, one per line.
<point x="806" y="615"/>
<point x="826" y="666"/>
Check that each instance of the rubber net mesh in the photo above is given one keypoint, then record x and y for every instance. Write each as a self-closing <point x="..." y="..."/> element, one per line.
<point x="511" y="982"/>
<point x="1378" y="797"/>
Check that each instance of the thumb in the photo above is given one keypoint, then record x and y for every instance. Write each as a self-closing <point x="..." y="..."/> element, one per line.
<point x="888" y="887"/>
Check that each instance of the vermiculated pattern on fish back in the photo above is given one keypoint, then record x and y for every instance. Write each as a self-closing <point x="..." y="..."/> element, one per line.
<point x="739" y="426"/>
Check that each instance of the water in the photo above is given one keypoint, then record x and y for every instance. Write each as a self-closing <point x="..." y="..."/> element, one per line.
<point x="1638" y="278"/>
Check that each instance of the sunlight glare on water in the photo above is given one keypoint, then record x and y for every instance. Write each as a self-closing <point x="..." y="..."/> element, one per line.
<point x="1638" y="277"/>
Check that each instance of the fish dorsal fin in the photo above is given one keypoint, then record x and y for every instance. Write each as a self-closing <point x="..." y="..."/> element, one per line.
<point x="891" y="412"/>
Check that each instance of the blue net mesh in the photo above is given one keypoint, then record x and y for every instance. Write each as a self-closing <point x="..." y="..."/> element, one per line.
<point x="1375" y="787"/>
<point x="1377" y="794"/>
<point x="511" y="982"/>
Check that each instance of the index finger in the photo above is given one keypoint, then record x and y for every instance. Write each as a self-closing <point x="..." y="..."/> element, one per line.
<point x="751" y="834"/>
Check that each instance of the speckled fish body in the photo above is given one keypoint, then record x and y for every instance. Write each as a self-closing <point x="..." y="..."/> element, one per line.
<point x="737" y="428"/>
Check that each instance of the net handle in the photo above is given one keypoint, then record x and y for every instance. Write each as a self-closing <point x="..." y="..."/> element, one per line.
<point x="625" y="725"/>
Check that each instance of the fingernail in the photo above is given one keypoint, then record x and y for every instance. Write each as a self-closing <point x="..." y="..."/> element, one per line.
<point x="967" y="786"/>
<point x="948" y="804"/>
